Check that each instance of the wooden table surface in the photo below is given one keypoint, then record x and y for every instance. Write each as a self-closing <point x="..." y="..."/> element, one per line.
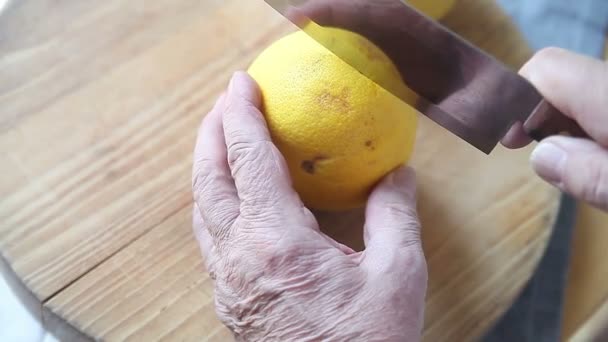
<point x="586" y="306"/>
<point x="99" y="105"/>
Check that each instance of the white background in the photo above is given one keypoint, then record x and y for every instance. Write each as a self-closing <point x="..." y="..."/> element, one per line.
<point x="16" y="323"/>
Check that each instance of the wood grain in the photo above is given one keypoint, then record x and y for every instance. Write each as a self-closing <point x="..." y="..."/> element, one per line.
<point x="587" y="291"/>
<point x="586" y="306"/>
<point x="97" y="124"/>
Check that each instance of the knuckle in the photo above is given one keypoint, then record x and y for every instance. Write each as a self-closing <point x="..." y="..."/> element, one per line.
<point x="226" y="303"/>
<point x="203" y="175"/>
<point x="285" y="259"/>
<point x="228" y="267"/>
<point x="295" y="266"/>
<point x="404" y="220"/>
<point x="241" y="310"/>
<point x="262" y="208"/>
<point x="409" y="260"/>
<point x="222" y="220"/>
<point x="411" y="236"/>
<point x="401" y="214"/>
<point x="274" y="260"/>
<point x="250" y="279"/>
<point x="281" y="256"/>
<point x="411" y="255"/>
<point x="401" y="262"/>
<point x="235" y="109"/>
<point x="242" y="151"/>
<point x="217" y="208"/>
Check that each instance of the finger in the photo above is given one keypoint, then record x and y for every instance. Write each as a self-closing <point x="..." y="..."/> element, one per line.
<point x="575" y="84"/>
<point x="258" y="168"/>
<point x="577" y="166"/>
<point x="202" y="234"/>
<point x="516" y="137"/>
<point x="392" y="225"/>
<point x="212" y="184"/>
<point x="205" y="241"/>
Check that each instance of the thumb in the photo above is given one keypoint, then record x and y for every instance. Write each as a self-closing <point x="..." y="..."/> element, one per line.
<point x="577" y="166"/>
<point x="392" y="227"/>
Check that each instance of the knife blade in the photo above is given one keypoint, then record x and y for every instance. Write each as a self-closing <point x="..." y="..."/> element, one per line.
<point x="459" y="86"/>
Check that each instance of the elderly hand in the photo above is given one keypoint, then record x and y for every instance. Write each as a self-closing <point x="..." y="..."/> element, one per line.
<point x="578" y="86"/>
<point x="277" y="276"/>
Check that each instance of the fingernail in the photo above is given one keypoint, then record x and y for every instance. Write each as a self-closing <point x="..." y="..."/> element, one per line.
<point x="239" y="81"/>
<point x="548" y="161"/>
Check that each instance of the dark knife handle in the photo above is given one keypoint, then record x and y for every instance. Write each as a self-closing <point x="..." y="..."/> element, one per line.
<point x="546" y="121"/>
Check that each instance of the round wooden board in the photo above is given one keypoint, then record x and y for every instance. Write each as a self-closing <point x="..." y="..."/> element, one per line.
<point x="99" y="106"/>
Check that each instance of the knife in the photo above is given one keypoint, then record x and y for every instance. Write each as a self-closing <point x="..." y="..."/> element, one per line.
<point x="459" y="86"/>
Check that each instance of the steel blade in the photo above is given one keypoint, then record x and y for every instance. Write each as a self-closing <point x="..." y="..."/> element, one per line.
<point x="460" y="87"/>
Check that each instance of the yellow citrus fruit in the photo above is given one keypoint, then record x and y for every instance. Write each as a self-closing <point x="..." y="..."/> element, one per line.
<point x="339" y="132"/>
<point x="433" y="8"/>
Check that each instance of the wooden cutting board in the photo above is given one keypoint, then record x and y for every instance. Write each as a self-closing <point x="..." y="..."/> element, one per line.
<point x="99" y="106"/>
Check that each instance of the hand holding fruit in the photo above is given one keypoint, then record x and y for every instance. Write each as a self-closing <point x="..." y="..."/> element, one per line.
<point x="277" y="276"/>
<point x="578" y="86"/>
<point x="339" y="132"/>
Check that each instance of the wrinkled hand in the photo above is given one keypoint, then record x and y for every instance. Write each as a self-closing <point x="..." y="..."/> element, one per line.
<point x="277" y="276"/>
<point x="578" y="86"/>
